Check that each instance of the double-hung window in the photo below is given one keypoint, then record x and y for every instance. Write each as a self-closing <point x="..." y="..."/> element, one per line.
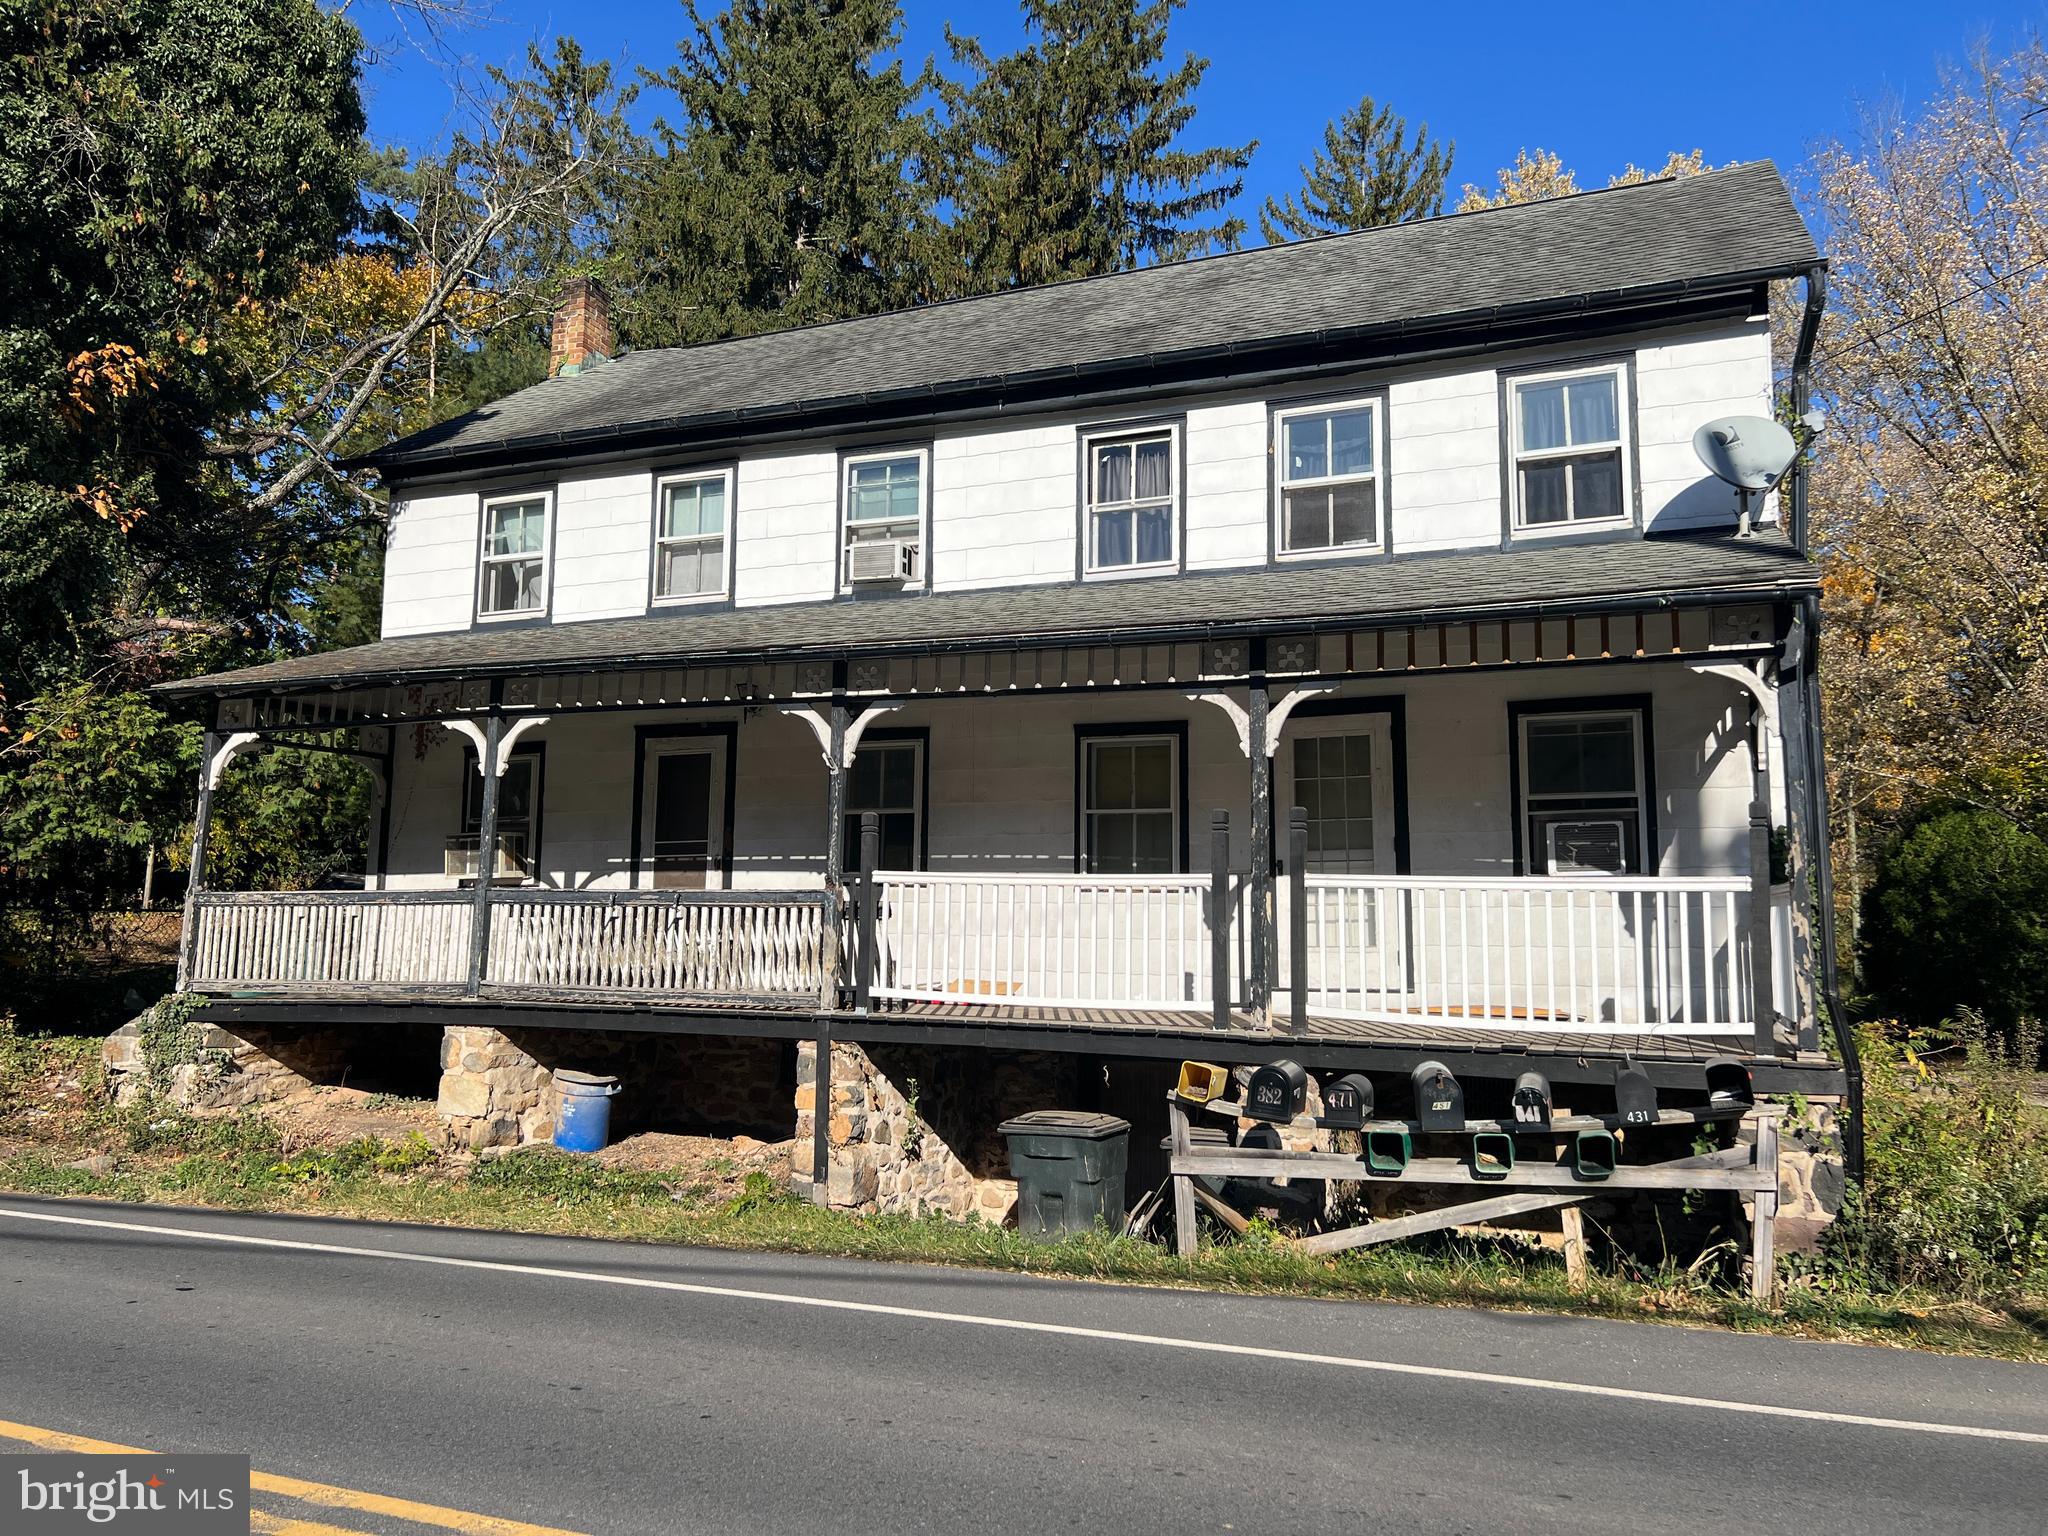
<point x="1570" y="444"/>
<point x="887" y="777"/>
<point x="1133" y="495"/>
<point x="885" y="511"/>
<point x="691" y="517"/>
<point x="518" y="820"/>
<point x="1329" y="478"/>
<point x="1130" y="805"/>
<point x="1584" y="804"/>
<point x="513" y="579"/>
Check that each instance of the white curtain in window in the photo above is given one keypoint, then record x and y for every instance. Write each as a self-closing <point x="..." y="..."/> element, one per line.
<point x="1594" y="416"/>
<point x="1113" y="473"/>
<point x="1543" y="416"/>
<point x="1155" y="470"/>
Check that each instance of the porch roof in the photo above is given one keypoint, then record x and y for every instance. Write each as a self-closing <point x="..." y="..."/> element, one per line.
<point x="1372" y="294"/>
<point x="1405" y="589"/>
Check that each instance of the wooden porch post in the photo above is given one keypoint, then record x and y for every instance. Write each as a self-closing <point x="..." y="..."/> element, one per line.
<point x="835" y="799"/>
<point x="1264" y="949"/>
<point x="1761" y="968"/>
<point x="864" y="962"/>
<point x="1219" y="919"/>
<point x="389" y="767"/>
<point x="486" y="855"/>
<point x="209" y="744"/>
<point x="1297" y="918"/>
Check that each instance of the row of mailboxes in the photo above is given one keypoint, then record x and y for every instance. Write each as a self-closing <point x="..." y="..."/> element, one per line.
<point x="1278" y="1092"/>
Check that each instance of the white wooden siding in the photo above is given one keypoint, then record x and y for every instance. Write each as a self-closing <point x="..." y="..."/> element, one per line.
<point x="430" y="559"/>
<point x="1004" y="498"/>
<point x="787" y="525"/>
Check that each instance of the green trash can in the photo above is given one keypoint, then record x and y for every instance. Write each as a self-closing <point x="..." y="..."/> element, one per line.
<point x="1069" y="1166"/>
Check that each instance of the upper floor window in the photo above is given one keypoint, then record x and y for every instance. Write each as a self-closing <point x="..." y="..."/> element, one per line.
<point x="513" y="580"/>
<point x="690" y="536"/>
<point x="885" y="506"/>
<point x="1133" y="491"/>
<point x="1570" y="447"/>
<point x="1329" y="478"/>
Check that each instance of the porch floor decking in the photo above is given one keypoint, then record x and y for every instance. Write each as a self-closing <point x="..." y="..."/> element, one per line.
<point x="1323" y="1029"/>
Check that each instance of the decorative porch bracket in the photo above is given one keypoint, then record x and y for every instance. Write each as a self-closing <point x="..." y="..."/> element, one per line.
<point x="217" y="762"/>
<point x="838" y="731"/>
<point x="1763" y="725"/>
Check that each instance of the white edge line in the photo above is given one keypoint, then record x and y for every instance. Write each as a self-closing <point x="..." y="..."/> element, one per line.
<point x="1067" y="1330"/>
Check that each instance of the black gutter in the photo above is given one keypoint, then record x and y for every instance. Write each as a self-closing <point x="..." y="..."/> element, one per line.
<point x="1486" y="329"/>
<point x="1159" y="635"/>
<point x="1802" y="391"/>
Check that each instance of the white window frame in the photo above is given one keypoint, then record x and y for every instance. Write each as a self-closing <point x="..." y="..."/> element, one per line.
<point x="1536" y="859"/>
<point x="662" y="485"/>
<point x="1282" y="485"/>
<point x="1089" y="810"/>
<point x="1130" y="433"/>
<point x="847" y="526"/>
<point x="1624" y="419"/>
<point x="485" y="559"/>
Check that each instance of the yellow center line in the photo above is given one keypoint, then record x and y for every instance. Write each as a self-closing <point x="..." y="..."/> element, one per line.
<point x="466" y="1522"/>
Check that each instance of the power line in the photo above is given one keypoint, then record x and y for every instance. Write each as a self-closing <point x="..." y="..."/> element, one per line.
<point x="1914" y="319"/>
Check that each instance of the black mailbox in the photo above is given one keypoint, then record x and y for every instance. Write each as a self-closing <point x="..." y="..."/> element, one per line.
<point x="1277" y="1091"/>
<point x="1439" y="1099"/>
<point x="1532" y="1102"/>
<point x="1347" y="1103"/>
<point x="1635" y="1099"/>
<point x="1728" y="1083"/>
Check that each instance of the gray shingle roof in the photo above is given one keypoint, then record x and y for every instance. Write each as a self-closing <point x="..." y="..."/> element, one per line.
<point x="1407" y="589"/>
<point x="1723" y="227"/>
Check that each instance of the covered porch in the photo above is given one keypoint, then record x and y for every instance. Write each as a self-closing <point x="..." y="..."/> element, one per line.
<point x="1558" y="830"/>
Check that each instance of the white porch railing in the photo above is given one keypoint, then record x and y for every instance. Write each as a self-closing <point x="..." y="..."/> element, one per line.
<point x="323" y="941"/>
<point x="1051" y="941"/>
<point x="701" y="946"/>
<point x="1642" y="956"/>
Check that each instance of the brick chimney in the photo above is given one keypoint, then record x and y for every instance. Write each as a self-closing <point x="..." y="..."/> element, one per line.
<point x="582" y="330"/>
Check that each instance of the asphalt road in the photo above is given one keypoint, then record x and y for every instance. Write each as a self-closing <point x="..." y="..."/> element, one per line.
<point x="740" y="1393"/>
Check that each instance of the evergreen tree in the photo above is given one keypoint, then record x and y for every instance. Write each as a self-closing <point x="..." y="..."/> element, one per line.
<point x="1058" y="160"/>
<point x="1368" y="172"/>
<point x="784" y="195"/>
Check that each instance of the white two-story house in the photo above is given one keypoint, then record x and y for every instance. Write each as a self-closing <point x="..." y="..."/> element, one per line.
<point x="1337" y="646"/>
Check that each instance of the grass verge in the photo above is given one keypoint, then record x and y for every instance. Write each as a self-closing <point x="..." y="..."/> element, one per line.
<point x="59" y="1137"/>
<point x="542" y="1191"/>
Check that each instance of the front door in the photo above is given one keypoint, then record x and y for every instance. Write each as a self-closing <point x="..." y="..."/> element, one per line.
<point x="1340" y="770"/>
<point x="682" y="815"/>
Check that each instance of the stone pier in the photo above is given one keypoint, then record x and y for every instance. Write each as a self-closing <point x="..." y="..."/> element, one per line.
<point x="915" y="1129"/>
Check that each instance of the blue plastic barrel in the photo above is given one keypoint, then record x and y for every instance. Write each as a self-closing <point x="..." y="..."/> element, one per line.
<point x="583" y="1120"/>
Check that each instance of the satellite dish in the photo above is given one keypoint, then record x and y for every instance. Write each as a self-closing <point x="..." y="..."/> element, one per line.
<point x="1749" y="452"/>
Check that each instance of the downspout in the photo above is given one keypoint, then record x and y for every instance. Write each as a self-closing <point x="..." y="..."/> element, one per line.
<point x="1817" y="777"/>
<point x="1802" y="390"/>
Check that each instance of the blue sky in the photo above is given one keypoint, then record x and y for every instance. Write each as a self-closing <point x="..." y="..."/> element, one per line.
<point x="1602" y="85"/>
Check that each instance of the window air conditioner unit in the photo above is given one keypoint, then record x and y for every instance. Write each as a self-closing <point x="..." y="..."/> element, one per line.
<point x="459" y="859"/>
<point x="881" y="560"/>
<point x="1586" y="849"/>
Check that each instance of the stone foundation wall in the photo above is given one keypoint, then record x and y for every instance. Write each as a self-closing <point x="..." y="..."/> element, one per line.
<point x="914" y="1129"/>
<point x="255" y="1064"/>
<point x="1811" y="1178"/>
<point x="497" y="1086"/>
